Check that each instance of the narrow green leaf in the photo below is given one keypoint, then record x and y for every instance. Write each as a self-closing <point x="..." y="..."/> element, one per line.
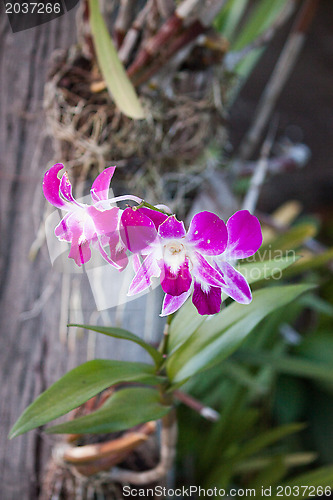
<point x="227" y="21"/>
<point x="220" y="335"/>
<point x="79" y="385"/>
<point x="265" y="439"/>
<point x="317" y="304"/>
<point x="291" y="365"/>
<point x="120" y="333"/>
<point x="254" y="464"/>
<point x="288" y="241"/>
<point x="263" y="15"/>
<point x="257" y="271"/>
<point x="116" y="79"/>
<point x="310" y="263"/>
<point x="125" y="409"/>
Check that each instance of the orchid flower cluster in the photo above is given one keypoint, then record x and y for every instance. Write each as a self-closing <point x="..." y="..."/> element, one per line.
<point x="197" y="262"/>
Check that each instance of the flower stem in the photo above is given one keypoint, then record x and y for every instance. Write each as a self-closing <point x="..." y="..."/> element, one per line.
<point x="164" y="343"/>
<point x="144" y="203"/>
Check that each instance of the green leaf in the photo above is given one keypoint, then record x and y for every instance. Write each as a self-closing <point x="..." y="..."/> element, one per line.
<point x="125" y="409"/>
<point x="120" y="333"/>
<point x="265" y="439"/>
<point x="115" y="76"/>
<point x="317" y="304"/>
<point x="290" y="460"/>
<point x="187" y="319"/>
<point x="220" y="335"/>
<point x="292" y="239"/>
<point x="307" y="264"/>
<point x="257" y="271"/>
<point x="79" y="385"/>
<point x="227" y="21"/>
<point x="291" y="365"/>
<point x="262" y="17"/>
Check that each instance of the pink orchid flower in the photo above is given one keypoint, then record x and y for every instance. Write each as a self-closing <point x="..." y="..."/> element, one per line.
<point x="182" y="260"/>
<point x="96" y="224"/>
<point x="178" y="258"/>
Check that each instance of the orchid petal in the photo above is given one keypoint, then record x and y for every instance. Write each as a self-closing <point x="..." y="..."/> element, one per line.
<point x="81" y="253"/>
<point x="62" y="230"/>
<point x="236" y="285"/>
<point x="142" y="280"/>
<point x="207" y="302"/>
<point x="51" y="186"/>
<point x="204" y="272"/>
<point x="136" y="262"/>
<point x="172" y="228"/>
<point x="100" y="188"/>
<point x="66" y="189"/>
<point x="117" y="264"/>
<point x="172" y="303"/>
<point x="176" y="284"/>
<point x="139" y="230"/>
<point x="157" y="217"/>
<point x="244" y="235"/>
<point x="118" y="250"/>
<point x="208" y="233"/>
<point x="105" y="221"/>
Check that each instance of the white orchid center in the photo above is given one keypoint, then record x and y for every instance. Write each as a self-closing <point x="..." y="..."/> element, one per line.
<point x="174" y="254"/>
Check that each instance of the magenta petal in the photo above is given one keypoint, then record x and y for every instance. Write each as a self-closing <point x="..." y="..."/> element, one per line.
<point x="66" y="189"/>
<point x="51" y="186"/>
<point x="172" y="303"/>
<point x="81" y="226"/>
<point x="207" y="302"/>
<point x="115" y="262"/>
<point x="100" y="188"/>
<point x="81" y="253"/>
<point x="208" y="233"/>
<point x="176" y="284"/>
<point x="172" y="228"/>
<point x="118" y="250"/>
<point x="136" y="262"/>
<point x="157" y="217"/>
<point x="244" y="235"/>
<point x="62" y="231"/>
<point x="236" y="285"/>
<point x="105" y="221"/>
<point x="139" y="230"/>
<point x="204" y="272"/>
<point x="142" y="280"/>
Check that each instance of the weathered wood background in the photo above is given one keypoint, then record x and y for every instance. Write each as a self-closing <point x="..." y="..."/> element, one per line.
<point x="37" y="300"/>
<point x="35" y="346"/>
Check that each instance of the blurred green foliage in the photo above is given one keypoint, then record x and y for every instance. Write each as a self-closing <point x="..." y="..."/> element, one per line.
<point x="275" y="394"/>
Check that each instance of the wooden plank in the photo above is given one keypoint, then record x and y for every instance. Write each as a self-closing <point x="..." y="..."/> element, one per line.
<point x="32" y="355"/>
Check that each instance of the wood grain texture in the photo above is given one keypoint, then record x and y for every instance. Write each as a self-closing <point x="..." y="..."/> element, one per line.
<point x="32" y="355"/>
<point x="26" y="345"/>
